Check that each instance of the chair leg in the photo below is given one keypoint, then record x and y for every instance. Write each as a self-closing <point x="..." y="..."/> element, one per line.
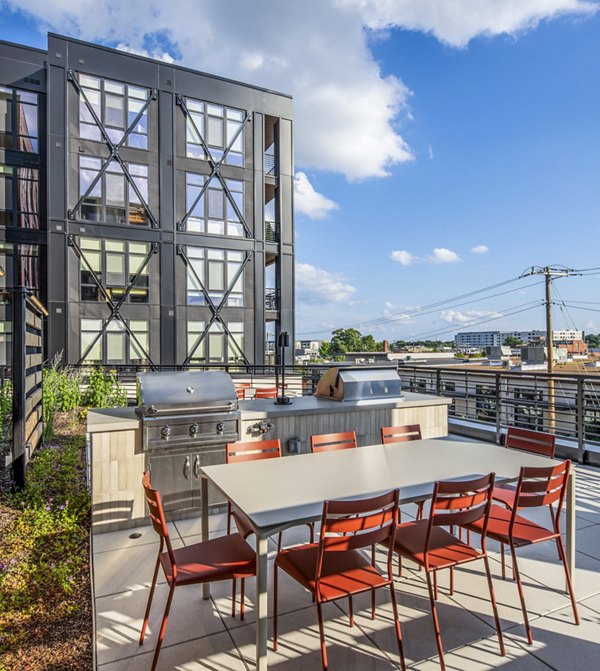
<point x="163" y="627"/>
<point x="233" y="596"/>
<point x="435" y="586"/>
<point x="279" y="540"/>
<point x="503" y="561"/>
<point x="243" y="598"/>
<point x="228" y="517"/>
<point x="398" y="628"/>
<point x="563" y="557"/>
<point x="373" y="614"/>
<point x="311" y="526"/>
<point x="494" y="605"/>
<point x="521" y="594"/>
<point x="275" y="600"/>
<point x="451" y="580"/>
<point x="150" y="597"/>
<point x="436" y="624"/>
<point x="350" y="611"/>
<point x="322" y="635"/>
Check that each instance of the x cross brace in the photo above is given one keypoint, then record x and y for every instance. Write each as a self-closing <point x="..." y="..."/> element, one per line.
<point x="115" y="307"/>
<point x="216" y="309"/>
<point x="215" y="167"/>
<point x="113" y="148"/>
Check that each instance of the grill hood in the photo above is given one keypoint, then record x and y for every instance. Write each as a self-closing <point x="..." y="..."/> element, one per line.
<point x="186" y="392"/>
<point x="359" y="384"/>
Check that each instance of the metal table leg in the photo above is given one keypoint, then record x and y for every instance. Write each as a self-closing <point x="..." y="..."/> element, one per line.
<point x="204" y="524"/>
<point x="261" y="603"/>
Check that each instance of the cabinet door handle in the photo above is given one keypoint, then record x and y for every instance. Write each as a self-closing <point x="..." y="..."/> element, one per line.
<point x="186" y="468"/>
<point x="197" y="466"/>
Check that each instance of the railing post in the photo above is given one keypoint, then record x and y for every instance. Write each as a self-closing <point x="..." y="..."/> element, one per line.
<point x="438" y="381"/>
<point x="498" y="410"/>
<point x="580" y="408"/>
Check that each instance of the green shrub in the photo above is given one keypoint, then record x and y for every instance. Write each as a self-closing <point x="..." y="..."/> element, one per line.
<point x="6" y="399"/>
<point x="61" y="392"/>
<point x="103" y="390"/>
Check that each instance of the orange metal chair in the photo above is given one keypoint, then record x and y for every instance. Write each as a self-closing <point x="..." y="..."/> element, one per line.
<point x="251" y="450"/>
<point x="333" y="441"/>
<point x="536" y="487"/>
<point x="224" y="558"/>
<point x="535" y="442"/>
<point x="335" y="568"/>
<point x="266" y="392"/>
<point x="428" y="544"/>
<point x="400" y="434"/>
<point x="240" y="392"/>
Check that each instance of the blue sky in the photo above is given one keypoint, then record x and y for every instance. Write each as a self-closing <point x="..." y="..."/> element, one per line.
<point x="416" y="131"/>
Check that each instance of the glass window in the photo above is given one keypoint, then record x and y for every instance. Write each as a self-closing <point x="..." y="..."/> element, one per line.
<point x="19" y="197"/>
<point x="90" y="333"/>
<point x="113" y="344"/>
<point x="195" y="348"/>
<point x="215" y="270"/>
<point x="220" y="127"/>
<point x="216" y="211"/>
<point x="118" y="106"/>
<point x="18" y="120"/>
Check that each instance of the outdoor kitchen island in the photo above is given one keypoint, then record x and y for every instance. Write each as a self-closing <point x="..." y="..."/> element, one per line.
<point x="117" y="456"/>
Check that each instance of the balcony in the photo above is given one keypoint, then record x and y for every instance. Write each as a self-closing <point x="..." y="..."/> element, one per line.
<point x="271" y="231"/>
<point x="271" y="166"/>
<point x="271" y="299"/>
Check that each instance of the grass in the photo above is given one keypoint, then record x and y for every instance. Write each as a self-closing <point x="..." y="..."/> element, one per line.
<point x="45" y="592"/>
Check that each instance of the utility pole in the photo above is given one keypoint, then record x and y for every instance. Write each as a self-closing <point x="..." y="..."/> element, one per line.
<point x="550" y="273"/>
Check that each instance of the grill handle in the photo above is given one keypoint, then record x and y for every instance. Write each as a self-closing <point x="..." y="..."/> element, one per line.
<point x="197" y="466"/>
<point x="186" y="468"/>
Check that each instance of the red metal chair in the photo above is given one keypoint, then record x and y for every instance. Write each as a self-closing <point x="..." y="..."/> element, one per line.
<point x="536" y="487"/>
<point x="535" y="442"/>
<point x="251" y="450"/>
<point x="266" y="392"/>
<point x="400" y="434"/>
<point x="403" y="434"/>
<point x="240" y="392"/>
<point x="335" y="567"/>
<point x="428" y="544"/>
<point x="333" y="441"/>
<point x="224" y="558"/>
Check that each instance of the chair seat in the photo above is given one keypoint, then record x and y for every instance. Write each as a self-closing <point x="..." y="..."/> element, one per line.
<point x="444" y="550"/>
<point x="343" y="573"/>
<point x="217" y="559"/>
<point x="524" y="531"/>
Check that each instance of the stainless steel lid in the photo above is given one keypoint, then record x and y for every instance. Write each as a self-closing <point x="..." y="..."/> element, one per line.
<point x="186" y="392"/>
<point x="357" y="384"/>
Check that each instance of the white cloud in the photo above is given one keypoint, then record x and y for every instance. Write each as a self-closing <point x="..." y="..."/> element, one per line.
<point x="456" y="22"/>
<point x="309" y="202"/>
<point x="443" y="255"/>
<point x="480" y="249"/>
<point x="316" y="286"/>
<point x="158" y="55"/>
<point x="460" y="317"/>
<point x="403" y="257"/>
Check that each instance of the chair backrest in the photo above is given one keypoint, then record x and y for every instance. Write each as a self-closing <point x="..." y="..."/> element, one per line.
<point x="400" y="434"/>
<point x="241" y="392"/>
<point x="460" y="502"/>
<point x="352" y="525"/>
<point x="252" y="450"/>
<point x="542" y="487"/>
<point x="266" y="392"/>
<point x="531" y="441"/>
<point x="333" y="441"/>
<point x="157" y="516"/>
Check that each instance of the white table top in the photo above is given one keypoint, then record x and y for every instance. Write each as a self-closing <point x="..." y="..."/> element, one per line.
<point x="275" y="493"/>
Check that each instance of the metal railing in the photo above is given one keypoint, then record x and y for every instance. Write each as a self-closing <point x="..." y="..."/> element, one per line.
<point x="271" y="231"/>
<point x="271" y="166"/>
<point x="271" y="299"/>
<point x="499" y="399"/>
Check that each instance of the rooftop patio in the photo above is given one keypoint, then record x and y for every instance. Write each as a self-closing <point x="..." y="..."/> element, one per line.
<point x="203" y="635"/>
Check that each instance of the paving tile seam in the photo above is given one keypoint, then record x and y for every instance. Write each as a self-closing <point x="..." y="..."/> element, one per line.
<point x="238" y="651"/>
<point x="525" y="646"/>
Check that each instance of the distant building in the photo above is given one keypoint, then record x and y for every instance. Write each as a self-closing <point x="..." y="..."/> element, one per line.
<point x="482" y="339"/>
<point x="307" y="349"/>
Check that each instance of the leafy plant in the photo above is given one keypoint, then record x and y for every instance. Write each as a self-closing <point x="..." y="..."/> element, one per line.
<point x="104" y="391"/>
<point x="6" y="400"/>
<point x="61" y="392"/>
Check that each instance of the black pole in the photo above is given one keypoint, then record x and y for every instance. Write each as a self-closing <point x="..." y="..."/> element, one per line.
<point x="283" y="342"/>
<point x="19" y="456"/>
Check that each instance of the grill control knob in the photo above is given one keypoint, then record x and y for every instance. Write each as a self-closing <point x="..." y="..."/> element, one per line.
<point x="194" y="430"/>
<point x="220" y="427"/>
<point x="165" y="432"/>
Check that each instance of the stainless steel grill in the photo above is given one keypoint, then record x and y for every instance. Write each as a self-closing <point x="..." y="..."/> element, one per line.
<point x="360" y="384"/>
<point x="187" y="419"/>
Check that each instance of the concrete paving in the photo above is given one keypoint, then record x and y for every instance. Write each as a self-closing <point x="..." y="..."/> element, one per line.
<point x="203" y="635"/>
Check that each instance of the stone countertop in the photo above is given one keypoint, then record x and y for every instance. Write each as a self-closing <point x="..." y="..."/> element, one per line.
<point x="124" y="419"/>
<point x="314" y="405"/>
<point x="101" y="420"/>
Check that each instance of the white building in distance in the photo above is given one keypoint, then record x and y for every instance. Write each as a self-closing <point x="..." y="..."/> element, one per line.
<point x="483" y="339"/>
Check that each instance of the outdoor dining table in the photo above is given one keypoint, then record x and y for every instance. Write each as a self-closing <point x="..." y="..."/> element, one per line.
<point x="276" y="494"/>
